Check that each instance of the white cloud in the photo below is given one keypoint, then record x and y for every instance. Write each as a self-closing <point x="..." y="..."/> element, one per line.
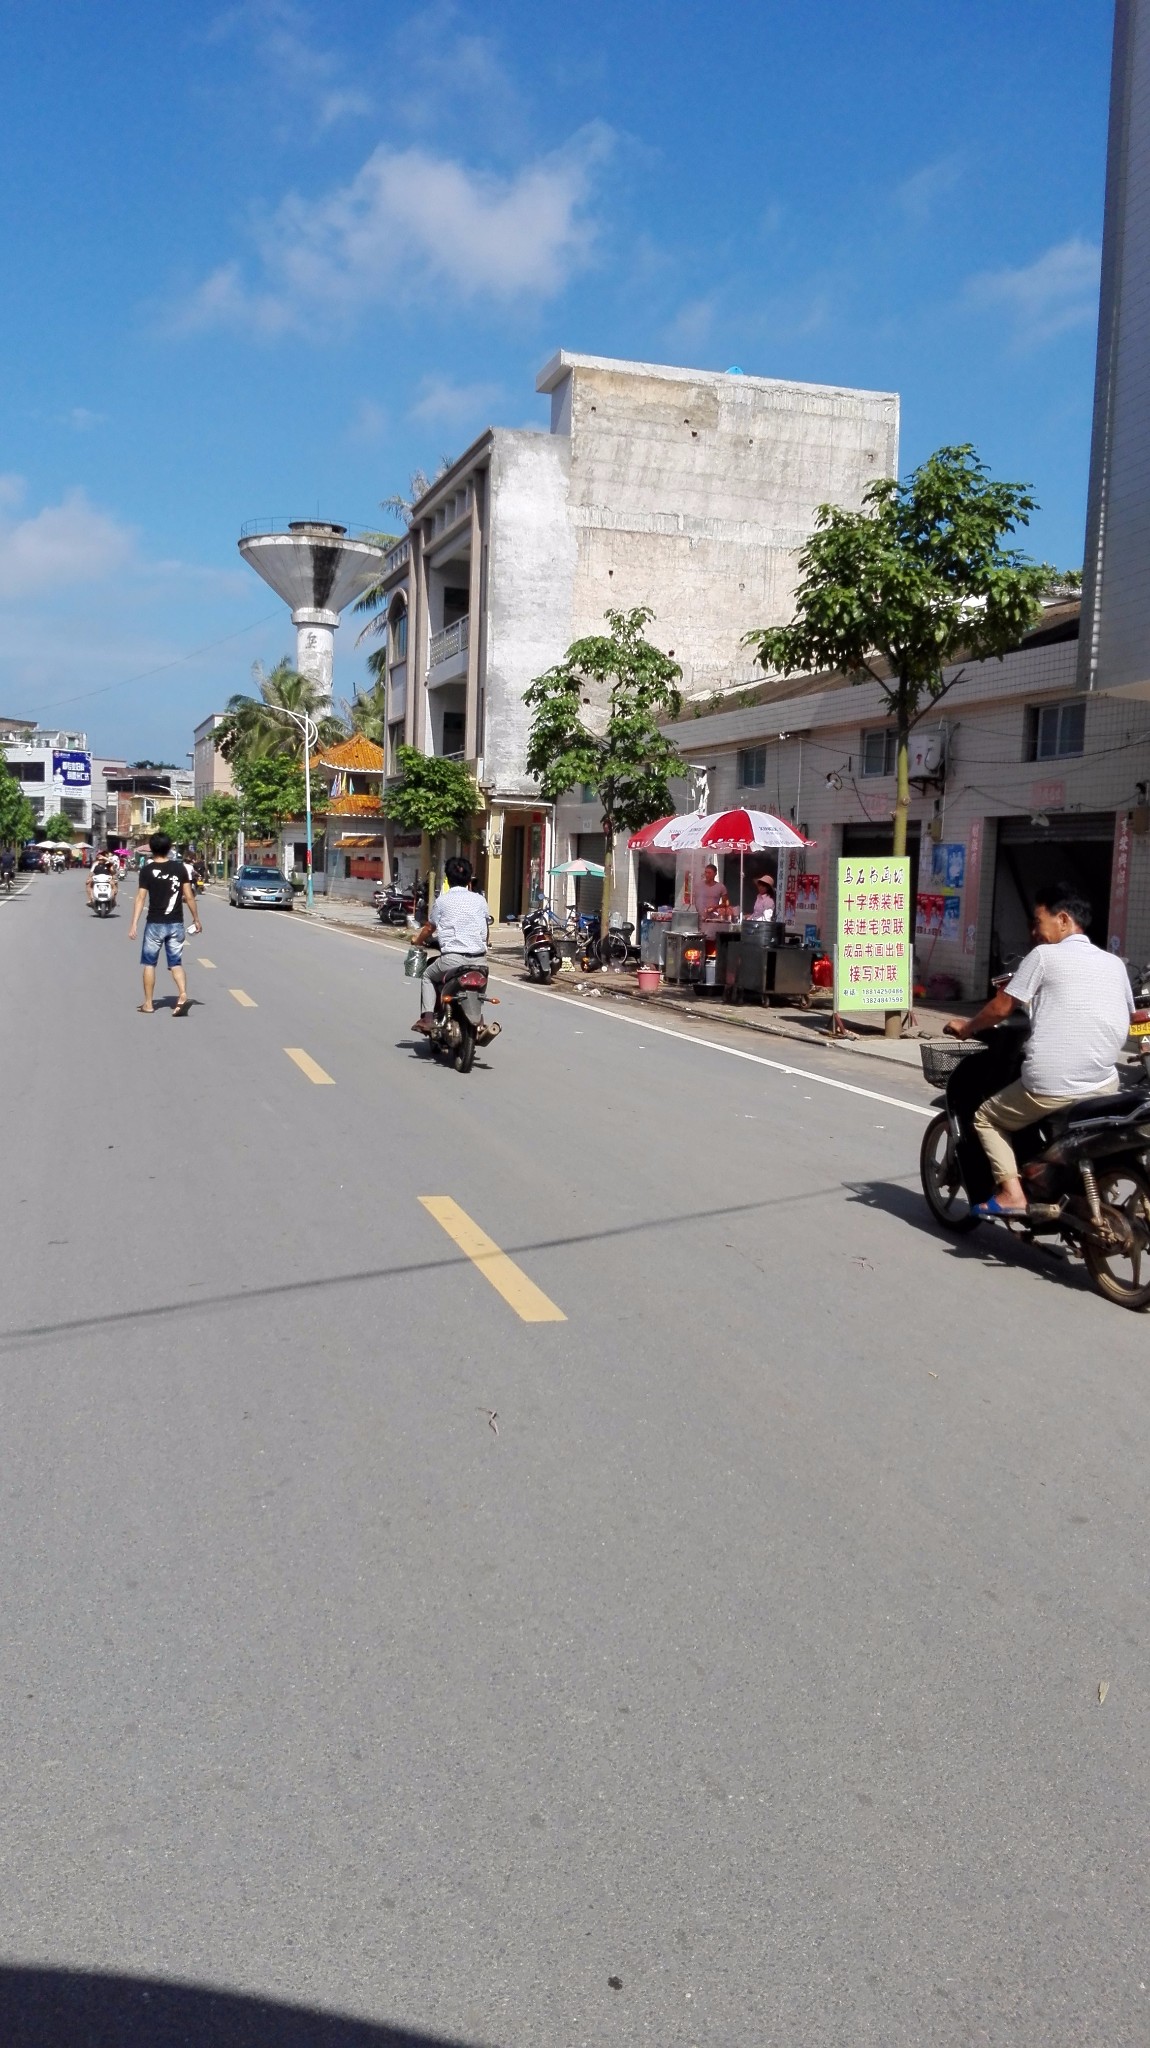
<point x="278" y="33"/>
<point x="61" y="546"/>
<point x="1055" y="293"/>
<point x="12" y="489"/>
<point x="441" y="400"/>
<point x="83" y="419"/>
<point x="694" y="323"/>
<point x="409" y="221"/>
<point x="918" y="195"/>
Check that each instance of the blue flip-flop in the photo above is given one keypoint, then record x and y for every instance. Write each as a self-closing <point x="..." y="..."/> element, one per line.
<point x="993" y="1210"/>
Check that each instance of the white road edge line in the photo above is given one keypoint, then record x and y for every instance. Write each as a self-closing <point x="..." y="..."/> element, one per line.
<point x="734" y="1052"/>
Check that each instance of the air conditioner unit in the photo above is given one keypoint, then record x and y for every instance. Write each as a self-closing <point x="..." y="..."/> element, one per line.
<point x="926" y="756"/>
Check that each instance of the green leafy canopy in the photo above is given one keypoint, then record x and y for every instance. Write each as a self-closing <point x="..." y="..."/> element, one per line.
<point x="920" y="577"/>
<point x="17" y="818"/>
<point x="619" y="682"/>
<point x="431" y="795"/>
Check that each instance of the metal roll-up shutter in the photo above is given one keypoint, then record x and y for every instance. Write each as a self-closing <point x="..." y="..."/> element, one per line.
<point x="1066" y="828"/>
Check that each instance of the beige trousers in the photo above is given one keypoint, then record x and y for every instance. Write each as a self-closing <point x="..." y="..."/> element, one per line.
<point x="1012" y="1110"/>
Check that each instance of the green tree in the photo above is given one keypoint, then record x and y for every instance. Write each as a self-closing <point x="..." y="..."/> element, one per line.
<point x="598" y="718"/>
<point x="367" y="713"/>
<point x="433" y="796"/>
<point x="918" y="580"/>
<point x="269" y="790"/>
<point x="58" y="827"/>
<point x="221" y="820"/>
<point x="184" y="827"/>
<point x="17" y="818"/>
<point x="255" y="727"/>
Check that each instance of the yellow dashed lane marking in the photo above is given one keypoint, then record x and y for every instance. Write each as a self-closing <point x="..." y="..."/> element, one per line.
<point x="244" y="1000"/>
<point x="205" y="963"/>
<point x="308" y="1066"/>
<point x="529" y="1302"/>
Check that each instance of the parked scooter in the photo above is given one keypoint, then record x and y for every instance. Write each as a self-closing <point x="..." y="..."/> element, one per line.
<point x="541" y="955"/>
<point x="458" y="1027"/>
<point x="1084" y="1169"/>
<point x="103" y="895"/>
<point x="392" y="905"/>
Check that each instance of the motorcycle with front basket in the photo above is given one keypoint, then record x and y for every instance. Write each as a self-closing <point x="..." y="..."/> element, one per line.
<point x="1086" y="1169"/>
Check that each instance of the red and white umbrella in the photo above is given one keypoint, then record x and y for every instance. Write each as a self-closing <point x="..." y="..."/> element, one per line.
<point x="725" y="831"/>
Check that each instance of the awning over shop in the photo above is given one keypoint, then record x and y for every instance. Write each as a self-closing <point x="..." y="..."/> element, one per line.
<point x="358" y="839"/>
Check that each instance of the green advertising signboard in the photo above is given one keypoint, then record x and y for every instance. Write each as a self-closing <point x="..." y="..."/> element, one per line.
<point x="873" y="935"/>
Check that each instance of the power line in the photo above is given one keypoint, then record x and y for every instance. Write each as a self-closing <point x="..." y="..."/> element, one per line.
<point x="146" y="674"/>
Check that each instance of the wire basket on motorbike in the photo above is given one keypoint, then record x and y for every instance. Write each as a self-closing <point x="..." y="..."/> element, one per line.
<point x="940" y="1057"/>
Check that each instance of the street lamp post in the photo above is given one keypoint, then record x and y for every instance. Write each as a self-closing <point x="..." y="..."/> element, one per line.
<point x="310" y="731"/>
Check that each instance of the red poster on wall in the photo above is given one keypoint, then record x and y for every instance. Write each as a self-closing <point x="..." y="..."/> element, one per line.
<point x="1120" y="883"/>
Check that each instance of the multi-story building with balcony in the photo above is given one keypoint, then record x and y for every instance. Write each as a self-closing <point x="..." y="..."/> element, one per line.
<point x="211" y="773"/>
<point x="54" y="769"/>
<point x="684" y="490"/>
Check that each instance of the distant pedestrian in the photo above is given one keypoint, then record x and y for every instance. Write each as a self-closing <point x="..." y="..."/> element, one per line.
<point x="164" y="892"/>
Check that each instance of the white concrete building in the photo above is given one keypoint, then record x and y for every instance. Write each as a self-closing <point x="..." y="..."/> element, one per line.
<point x="1115" y="646"/>
<point x="212" y="775"/>
<point x="1030" y="782"/>
<point x="687" y="491"/>
<point x="54" y="769"/>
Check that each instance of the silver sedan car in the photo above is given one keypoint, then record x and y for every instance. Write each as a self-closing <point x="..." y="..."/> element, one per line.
<point x="260" y="889"/>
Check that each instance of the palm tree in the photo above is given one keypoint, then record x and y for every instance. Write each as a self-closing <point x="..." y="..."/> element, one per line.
<point x="253" y="728"/>
<point x="367" y="713"/>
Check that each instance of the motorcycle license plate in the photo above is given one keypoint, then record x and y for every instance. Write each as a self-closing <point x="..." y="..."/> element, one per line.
<point x="1140" y="1030"/>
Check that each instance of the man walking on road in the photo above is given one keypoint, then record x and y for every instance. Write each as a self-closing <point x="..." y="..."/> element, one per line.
<point x="164" y="890"/>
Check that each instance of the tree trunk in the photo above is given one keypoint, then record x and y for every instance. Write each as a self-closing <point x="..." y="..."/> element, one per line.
<point x="901" y="807"/>
<point x="608" y="877"/>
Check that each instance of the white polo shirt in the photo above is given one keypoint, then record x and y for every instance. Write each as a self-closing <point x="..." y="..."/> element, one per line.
<point x="461" y="919"/>
<point x="1080" y="1002"/>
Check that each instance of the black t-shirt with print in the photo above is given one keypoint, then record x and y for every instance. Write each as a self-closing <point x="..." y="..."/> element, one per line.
<point x="164" y="882"/>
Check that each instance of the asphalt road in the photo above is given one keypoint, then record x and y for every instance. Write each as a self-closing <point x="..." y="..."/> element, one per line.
<point x="739" y="1686"/>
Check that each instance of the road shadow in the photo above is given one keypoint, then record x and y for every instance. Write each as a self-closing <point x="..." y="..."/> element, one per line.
<point x="989" y="1245"/>
<point x="45" y="2008"/>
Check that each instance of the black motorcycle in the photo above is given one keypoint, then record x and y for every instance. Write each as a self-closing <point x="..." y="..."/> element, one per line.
<point x="1086" y="1169"/>
<point x="394" y="906"/>
<point x="541" y="955"/>
<point x="458" y="1028"/>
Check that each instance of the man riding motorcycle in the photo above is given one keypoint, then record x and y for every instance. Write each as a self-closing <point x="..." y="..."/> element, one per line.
<point x="1080" y="1002"/>
<point x="108" y="867"/>
<point x="460" y="920"/>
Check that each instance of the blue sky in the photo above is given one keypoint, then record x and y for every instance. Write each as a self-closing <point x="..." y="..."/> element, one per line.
<point x="269" y="258"/>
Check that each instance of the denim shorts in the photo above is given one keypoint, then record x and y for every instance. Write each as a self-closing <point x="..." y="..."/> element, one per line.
<point x="169" y="936"/>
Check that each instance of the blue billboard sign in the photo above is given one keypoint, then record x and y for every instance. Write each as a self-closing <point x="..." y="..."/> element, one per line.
<point x="73" y="770"/>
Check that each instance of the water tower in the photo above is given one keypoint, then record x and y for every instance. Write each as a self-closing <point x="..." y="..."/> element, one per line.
<point x="319" y="570"/>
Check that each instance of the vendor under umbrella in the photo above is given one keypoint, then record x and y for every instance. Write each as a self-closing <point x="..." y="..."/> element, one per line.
<point x="711" y="899"/>
<point x="763" y="906"/>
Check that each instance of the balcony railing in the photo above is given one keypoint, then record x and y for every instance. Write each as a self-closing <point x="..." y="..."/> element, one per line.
<point x="452" y="641"/>
<point x="396" y="557"/>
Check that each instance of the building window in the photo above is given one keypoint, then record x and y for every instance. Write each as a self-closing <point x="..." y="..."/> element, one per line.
<point x="879" y="750"/>
<point x="1055" y="729"/>
<point x="74" y="807"/>
<point x="399" y="634"/>
<point x="587" y="793"/>
<point x="752" y="767"/>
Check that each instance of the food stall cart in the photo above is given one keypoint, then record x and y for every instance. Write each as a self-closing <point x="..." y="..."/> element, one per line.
<point x="714" y="945"/>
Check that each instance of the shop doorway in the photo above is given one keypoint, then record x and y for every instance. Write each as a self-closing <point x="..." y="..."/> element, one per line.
<point x="1078" y="851"/>
<point x="588" y="888"/>
<point x="514" y="863"/>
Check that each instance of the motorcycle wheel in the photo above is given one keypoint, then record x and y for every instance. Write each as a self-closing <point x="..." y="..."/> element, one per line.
<point x="543" y="968"/>
<point x="465" y="1057"/>
<point x="613" y="950"/>
<point x="532" y="967"/>
<point x="1123" y="1275"/>
<point x="941" y="1180"/>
